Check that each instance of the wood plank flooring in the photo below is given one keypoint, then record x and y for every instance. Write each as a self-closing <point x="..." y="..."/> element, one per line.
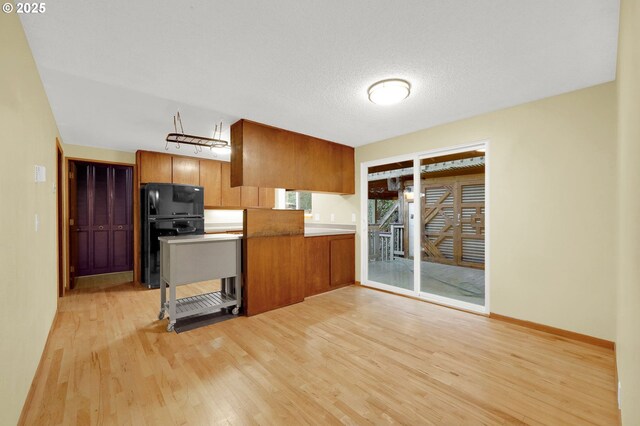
<point x="354" y="356"/>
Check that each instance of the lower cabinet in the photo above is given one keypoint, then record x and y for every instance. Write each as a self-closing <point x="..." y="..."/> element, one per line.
<point x="317" y="265"/>
<point x="343" y="261"/>
<point x="273" y="273"/>
<point x="329" y="262"/>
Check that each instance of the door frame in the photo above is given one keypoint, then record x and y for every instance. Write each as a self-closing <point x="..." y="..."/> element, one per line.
<point x="67" y="228"/>
<point x="364" y="237"/>
<point x="60" y="163"/>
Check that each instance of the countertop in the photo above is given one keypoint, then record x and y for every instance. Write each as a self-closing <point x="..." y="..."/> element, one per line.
<point x="206" y="238"/>
<point x="308" y="231"/>
<point x="223" y="228"/>
<point x="318" y="232"/>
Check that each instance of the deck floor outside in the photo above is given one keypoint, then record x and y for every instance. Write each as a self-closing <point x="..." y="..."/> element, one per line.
<point x="454" y="282"/>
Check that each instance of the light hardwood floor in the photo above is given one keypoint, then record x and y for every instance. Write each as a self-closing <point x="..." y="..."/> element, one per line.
<point x="355" y="356"/>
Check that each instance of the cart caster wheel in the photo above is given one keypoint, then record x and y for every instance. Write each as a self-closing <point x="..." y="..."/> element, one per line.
<point x="161" y="315"/>
<point x="170" y="328"/>
<point x="235" y="311"/>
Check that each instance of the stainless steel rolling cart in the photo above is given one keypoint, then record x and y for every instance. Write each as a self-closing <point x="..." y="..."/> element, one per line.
<point x="191" y="259"/>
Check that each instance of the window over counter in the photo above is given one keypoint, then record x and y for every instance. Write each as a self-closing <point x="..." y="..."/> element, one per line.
<point x="298" y="200"/>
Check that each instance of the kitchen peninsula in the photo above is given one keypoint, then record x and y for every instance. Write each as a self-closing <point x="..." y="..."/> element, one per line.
<point x="283" y="263"/>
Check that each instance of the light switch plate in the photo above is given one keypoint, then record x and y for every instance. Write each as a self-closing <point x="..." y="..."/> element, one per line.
<point x="316" y="217"/>
<point x="619" y="395"/>
<point x="40" y="173"/>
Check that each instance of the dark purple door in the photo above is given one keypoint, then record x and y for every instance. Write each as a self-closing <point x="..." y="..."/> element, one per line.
<point x="104" y="225"/>
<point x="121" y="235"/>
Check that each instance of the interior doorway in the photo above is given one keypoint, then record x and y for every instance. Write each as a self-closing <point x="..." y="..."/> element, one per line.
<point x="427" y="224"/>
<point x="100" y="219"/>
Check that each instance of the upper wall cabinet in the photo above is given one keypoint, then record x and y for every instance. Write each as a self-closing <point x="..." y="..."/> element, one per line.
<point x="230" y="196"/>
<point x="154" y="167"/>
<point x="211" y="180"/>
<point x="266" y="156"/>
<point x="214" y="176"/>
<point x="186" y="171"/>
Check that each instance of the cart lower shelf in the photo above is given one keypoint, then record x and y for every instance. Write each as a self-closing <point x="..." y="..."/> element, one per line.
<point x="191" y="305"/>
<point x="201" y="304"/>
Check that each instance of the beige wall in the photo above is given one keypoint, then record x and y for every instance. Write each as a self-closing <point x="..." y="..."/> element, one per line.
<point x="27" y="258"/>
<point x="553" y="203"/>
<point x="99" y="154"/>
<point x="341" y="206"/>
<point x="628" y="330"/>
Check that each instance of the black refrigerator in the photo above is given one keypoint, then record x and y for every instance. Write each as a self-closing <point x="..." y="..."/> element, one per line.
<point x="167" y="210"/>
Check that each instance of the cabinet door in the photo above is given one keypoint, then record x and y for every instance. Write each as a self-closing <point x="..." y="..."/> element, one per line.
<point x="267" y="198"/>
<point x="347" y="170"/>
<point x="231" y="197"/>
<point x="317" y="264"/>
<point x="274" y="272"/>
<point x="313" y="162"/>
<point x="249" y="196"/>
<point x="262" y="155"/>
<point x="211" y="181"/>
<point x="334" y="167"/>
<point x="155" y="167"/>
<point x="343" y="261"/>
<point x="186" y="171"/>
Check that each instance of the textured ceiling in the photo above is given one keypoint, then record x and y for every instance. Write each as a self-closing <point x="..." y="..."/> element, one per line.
<point x="116" y="71"/>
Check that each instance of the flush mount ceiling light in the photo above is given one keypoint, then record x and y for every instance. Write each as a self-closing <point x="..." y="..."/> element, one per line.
<point x="389" y="92"/>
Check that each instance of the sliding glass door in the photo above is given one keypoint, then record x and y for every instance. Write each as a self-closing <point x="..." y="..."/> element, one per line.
<point x="390" y="203"/>
<point x="452" y="228"/>
<point x="430" y="246"/>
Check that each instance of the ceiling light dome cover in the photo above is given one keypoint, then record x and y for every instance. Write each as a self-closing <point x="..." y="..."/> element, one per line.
<point x="389" y="92"/>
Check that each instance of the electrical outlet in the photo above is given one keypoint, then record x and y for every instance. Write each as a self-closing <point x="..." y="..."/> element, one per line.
<point x="353" y="217"/>
<point x="316" y="217"/>
<point x="332" y="217"/>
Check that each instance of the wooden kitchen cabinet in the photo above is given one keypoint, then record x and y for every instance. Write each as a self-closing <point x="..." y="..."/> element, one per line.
<point x="343" y="260"/>
<point x="214" y="176"/>
<point x="249" y="196"/>
<point x="262" y="156"/>
<point x="317" y="265"/>
<point x="265" y="156"/>
<point x="347" y="156"/>
<point x="154" y="167"/>
<point x="273" y="263"/>
<point x="313" y="158"/>
<point x="266" y="198"/>
<point x="231" y="197"/>
<point x="186" y="171"/>
<point x="211" y="181"/>
<point x="329" y="262"/>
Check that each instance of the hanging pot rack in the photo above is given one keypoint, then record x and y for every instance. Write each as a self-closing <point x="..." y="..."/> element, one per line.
<point x="198" y="142"/>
